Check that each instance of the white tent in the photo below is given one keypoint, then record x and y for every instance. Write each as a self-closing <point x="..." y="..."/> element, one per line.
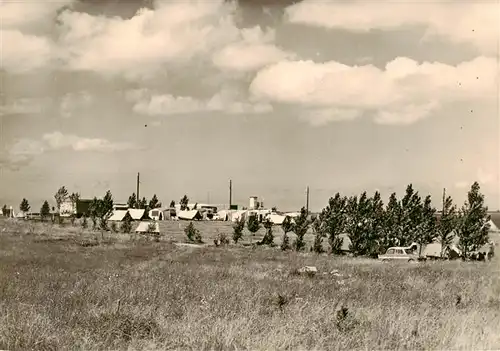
<point x="136" y="214"/>
<point x="118" y="215"/>
<point x="156" y="214"/>
<point x="189" y="215"/>
<point x="143" y="227"/>
<point x="493" y="227"/>
<point x="276" y="218"/>
<point x="236" y="215"/>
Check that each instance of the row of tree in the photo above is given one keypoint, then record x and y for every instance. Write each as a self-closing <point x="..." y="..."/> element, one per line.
<point x="373" y="227"/>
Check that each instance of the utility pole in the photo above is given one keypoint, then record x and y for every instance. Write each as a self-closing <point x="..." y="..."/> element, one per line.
<point x="230" y="193"/>
<point x="307" y="199"/>
<point x="138" y="198"/>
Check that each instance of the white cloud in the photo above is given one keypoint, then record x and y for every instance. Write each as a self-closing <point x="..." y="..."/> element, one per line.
<point x="58" y="140"/>
<point x="484" y="177"/>
<point x="166" y="104"/>
<point x="22" y="52"/>
<point x="28" y="106"/>
<point x="173" y="33"/>
<point x="72" y="102"/>
<point x="401" y="93"/>
<point x="320" y="117"/>
<point x="458" y="21"/>
<point x="253" y="51"/>
<point x="462" y="184"/>
<point x="25" y="15"/>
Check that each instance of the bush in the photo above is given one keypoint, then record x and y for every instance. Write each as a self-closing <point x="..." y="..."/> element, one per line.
<point x="113" y="227"/>
<point x="268" y="238"/>
<point x="193" y="234"/>
<point x="238" y="227"/>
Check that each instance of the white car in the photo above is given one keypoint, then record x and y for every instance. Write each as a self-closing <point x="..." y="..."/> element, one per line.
<point x="398" y="254"/>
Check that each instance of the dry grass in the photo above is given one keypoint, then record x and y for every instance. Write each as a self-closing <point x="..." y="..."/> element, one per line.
<point x="64" y="289"/>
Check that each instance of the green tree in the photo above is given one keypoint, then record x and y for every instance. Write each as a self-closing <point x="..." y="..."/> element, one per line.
<point x="373" y="239"/>
<point x="253" y="224"/>
<point x="184" y="203"/>
<point x="300" y="228"/>
<point x="24" y="206"/>
<point x="287" y="227"/>
<point x="427" y="228"/>
<point x="319" y="234"/>
<point x="333" y="218"/>
<point x="61" y="196"/>
<point x="95" y="210"/>
<point x="172" y="204"/>
<point x="447" y="224"/>
<point x="193" y="234"/>
<point x="4" y="210"/>
<point x="359" y="223"/>
<point x="154" y="202"/>
<point x="473" y="222"/>
<point x="45" y="210"/>
<point x="410" y="217"/>
<point x="84" y="222"/>
<point x="391" y="223"/>
<point x="238" y="227"/>
<point x="106" y="205"/>
<point x="132" y="201"/>
<point x="126" y="226"/>
<point x="268" y="238"/>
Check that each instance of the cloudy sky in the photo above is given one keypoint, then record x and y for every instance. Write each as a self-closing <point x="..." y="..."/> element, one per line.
<point x="338" y="95"/>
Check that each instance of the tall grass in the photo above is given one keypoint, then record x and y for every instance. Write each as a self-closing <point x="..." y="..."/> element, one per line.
<point x="124" y="292"/>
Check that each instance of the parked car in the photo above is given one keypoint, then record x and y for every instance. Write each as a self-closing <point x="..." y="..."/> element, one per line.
<point x="399" y="254"/>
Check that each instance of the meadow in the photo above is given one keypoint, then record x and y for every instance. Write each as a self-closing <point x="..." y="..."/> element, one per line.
<point x="65" y="288"/>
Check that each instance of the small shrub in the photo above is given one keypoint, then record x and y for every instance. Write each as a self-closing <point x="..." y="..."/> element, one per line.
<point x="113" y="227"/>
<point x="268" y="238"/>
<point x="318" y="243"/>
<point x="285" y="243"/>
<point x="103" y="223"/>
<point x="221" y="240"/>
<point x="85" y="223"/>
<point x="282" y="301"/>
<point x="238" y="227"/>
<point x="193" y="234"/>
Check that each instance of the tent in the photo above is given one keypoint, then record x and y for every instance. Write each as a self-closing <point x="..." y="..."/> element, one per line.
<point x="237" y="215"/>
<point x="223" y="215"/>
<point x="189" y="215"/>
<point x="493" y="227"/>
<point x="138" y="214"/>
<point x="346" y="242"/>
<point x="144" y="227"/>
<point x="276" y="219"/>
<point x="118" y="216"/>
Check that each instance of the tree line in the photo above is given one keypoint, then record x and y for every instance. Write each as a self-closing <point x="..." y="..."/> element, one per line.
<point x="373" y="227"/>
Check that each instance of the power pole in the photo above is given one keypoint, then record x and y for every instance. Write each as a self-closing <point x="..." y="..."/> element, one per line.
<point x="230" y="193"/>
<point x="138" y="198"/>
<point x="307" y="199"/>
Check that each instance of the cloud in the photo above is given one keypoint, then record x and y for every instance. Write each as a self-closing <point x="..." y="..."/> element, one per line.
<point x="22" y="52"/>
<point x="58" y="141"/>
<point x="20" y="153"/>
<point x="484" y="177"/>
<point x="320" y="117"/>
<point x="404" y="92"/>
<point x="26" y="15"/>
<point x="24" y="106"/>
<point x="457" y="21"/>
<point x="167" y="104"/>
<point x="462" y="185"/>
<point x="173" y="33"/>
<point x="72" y="102"/>
<point x="254" y="51"/>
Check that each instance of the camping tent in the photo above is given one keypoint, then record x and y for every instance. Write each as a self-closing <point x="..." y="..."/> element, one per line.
<point x="144" y="227"/>
<point x="493" y="227"/>
<point x="346" y="242"/>
<point x="138" y="214"/>
<point x="189" y="215"/>
<point x="276" y="218"/>
<point x="156" y="214"/>
<point x="118" y="216"/>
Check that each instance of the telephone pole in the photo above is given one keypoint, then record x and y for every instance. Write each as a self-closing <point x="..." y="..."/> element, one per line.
<point x="230" y="193"/>
<point x="138" y="198"/>
<point x="307" y="199"/>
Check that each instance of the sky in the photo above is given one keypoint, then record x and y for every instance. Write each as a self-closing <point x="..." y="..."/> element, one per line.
<point x="341" y="96"/>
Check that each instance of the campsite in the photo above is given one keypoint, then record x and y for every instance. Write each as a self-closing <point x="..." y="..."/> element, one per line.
<point x="141" y="279"/>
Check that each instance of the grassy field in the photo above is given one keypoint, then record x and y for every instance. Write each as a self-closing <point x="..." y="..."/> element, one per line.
<point x="61" y="288"/>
